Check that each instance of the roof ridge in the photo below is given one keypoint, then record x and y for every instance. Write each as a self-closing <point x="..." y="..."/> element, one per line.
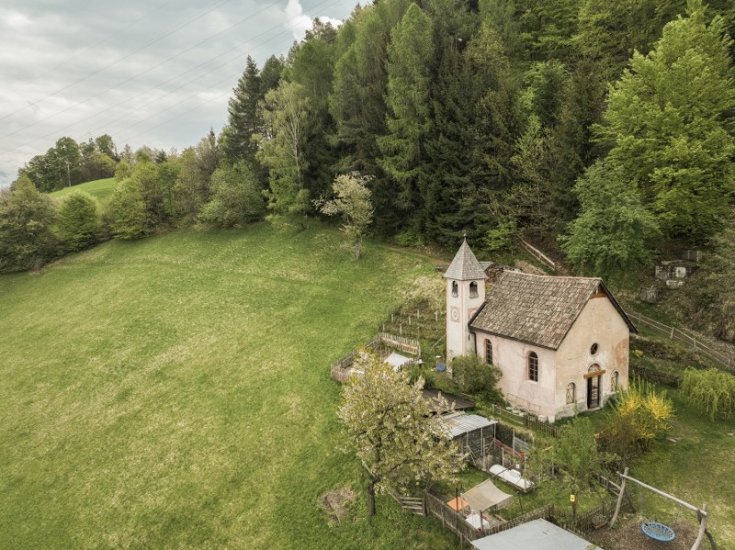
<point x="576" y="277"/>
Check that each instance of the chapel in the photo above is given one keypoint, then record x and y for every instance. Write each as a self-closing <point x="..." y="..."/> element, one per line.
<point x="562" y="343"/>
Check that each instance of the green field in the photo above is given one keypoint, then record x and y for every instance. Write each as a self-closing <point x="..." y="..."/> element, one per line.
<point x="695" y="464"/>
<point x="99" y="189"/>
<point x="174" y="392"/>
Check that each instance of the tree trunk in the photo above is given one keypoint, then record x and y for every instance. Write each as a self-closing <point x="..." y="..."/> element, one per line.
<point x="358" y="248"/>
<point x="371" y="498"/>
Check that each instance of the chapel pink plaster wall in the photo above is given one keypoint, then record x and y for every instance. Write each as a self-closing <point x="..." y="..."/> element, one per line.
<point x="511" y="357"/>
<point x="599" y="322"/>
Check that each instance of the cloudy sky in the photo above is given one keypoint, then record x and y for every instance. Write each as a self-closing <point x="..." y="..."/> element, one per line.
<point x="155" y="72"/>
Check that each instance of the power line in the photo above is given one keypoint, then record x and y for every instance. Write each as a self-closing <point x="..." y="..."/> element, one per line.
<point x="320" y="4"/>
<point x="206" y="63"/>
<point x="200" y="103"/>
<point x="135" y="76"/>
<point x="115" y="62"/>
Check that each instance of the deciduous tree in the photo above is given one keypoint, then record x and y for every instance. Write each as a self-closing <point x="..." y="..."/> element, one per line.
<point x="285" y="113"/>
<point x="669" y="123"/>
<point x="127" y="212"/>
<point x="352" y="202"/>
<point x="236" y="197"/>
<point x="614" y="230"/>
<point x="78" y="221"/>
<point x="26" y="219"/>
<point x="387" y="421"/>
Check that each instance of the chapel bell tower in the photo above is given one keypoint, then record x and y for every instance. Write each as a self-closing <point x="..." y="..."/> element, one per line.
<point x="465" y="294"/>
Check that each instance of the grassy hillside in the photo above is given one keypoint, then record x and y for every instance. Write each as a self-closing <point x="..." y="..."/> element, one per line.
<point x="174" y="392"/>
<point x="99" y="189"/>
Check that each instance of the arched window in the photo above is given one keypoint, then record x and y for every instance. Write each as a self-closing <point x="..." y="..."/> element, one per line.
<point x="533" y="366"/>
<point x="455" y="289"/>
<point x="571" y="393"/>
<point x="614" y="381"/>
<point x="473" y="289"/>
<point x="488" y="352"/>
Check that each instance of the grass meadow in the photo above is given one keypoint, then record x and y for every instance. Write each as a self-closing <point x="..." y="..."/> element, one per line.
<point x="99" y="189"/>
<point x="694" y="463"/>
<point x="175" y="392"/>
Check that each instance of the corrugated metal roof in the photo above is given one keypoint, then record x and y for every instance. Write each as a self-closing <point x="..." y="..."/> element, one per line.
<point x="538" y="534"/>
<point x="461" y="424"/>
<point x="464" y="266"/>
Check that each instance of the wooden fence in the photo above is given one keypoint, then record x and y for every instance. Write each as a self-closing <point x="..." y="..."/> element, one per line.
<point x="698" y="344"/>
<point x="527" y="420"/>
<point x="451" y="519"/>
<point x="415" y="505"/>
<point x="588" y="521"/>
<point x="544" y="512"/>
<point x="340" y="370"/>
<point x="406" y="345"/>
<point x="434" y="506"/>
<point x="540" y="256"/>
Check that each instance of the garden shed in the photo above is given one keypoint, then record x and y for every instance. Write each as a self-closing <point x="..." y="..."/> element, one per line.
<point x="473" y="432"/>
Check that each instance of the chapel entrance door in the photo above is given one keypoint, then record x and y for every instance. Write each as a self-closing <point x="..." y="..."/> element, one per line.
<point x="594" y="376"/>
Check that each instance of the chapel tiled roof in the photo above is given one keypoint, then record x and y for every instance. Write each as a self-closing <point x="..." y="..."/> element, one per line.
<point x="538" y="309"/>
<point x="464" y="266"/>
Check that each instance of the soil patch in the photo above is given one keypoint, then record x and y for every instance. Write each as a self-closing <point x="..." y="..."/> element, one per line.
<point x="627" y="535"/>
<point x="336" y="504"/>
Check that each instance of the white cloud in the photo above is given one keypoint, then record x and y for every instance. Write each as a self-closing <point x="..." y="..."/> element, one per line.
<point x="14" y="19"/>
<point x="298" y="22"/>
<point x="140" y="71"/>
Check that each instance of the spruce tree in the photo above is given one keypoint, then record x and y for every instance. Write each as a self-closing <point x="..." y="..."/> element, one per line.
<point x="358" y="105"/>
<point x="311" y="65"/>
<point x="243" y="116"/>
<point x="403" y="148"/>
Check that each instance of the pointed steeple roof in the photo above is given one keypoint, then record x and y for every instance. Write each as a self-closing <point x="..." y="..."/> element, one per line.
<point x="464" y="266"/>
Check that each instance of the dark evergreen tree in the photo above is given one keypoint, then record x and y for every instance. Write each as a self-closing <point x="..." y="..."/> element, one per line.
<point x="452" y="196"/>
<point x="243" y="120"/>
<point x="403" y="148"/>
<point x="311" y="65"/>
<point x="358" y="104"/>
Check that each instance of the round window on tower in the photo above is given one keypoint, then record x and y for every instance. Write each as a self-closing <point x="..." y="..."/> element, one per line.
<point x="594" y="348"/>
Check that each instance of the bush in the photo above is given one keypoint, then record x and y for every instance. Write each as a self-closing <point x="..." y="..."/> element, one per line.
<point x="417" y="371"/>
<point x="128" y="213"/>
<point x="26" y="218"/>
<point x="638" y="416"/>
<point x="474" y="376"/>
<point x="236" y="197"/>
<point x="576" y="451"/>
<point x="710" y="391"/>
<point x="78" y="221"/>
<point x="501" y="237"/>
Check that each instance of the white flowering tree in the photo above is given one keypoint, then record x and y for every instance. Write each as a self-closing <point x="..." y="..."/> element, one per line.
<point x="392" y="432"/>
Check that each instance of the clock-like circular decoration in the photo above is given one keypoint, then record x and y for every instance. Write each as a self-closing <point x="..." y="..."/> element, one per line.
<point x="455" y="314"/>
